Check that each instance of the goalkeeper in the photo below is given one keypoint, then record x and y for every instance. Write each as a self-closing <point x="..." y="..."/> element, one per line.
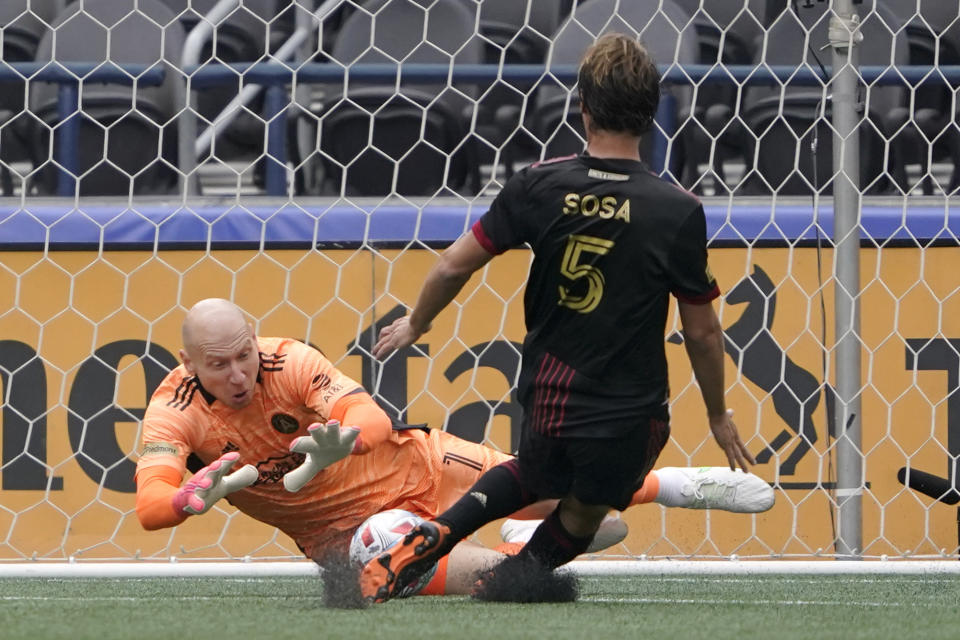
<point x="293" y="442"/>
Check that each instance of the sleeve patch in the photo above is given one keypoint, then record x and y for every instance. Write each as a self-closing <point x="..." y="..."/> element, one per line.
<point x="153" y="449"/>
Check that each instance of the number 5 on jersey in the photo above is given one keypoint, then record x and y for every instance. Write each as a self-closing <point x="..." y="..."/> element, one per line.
<point x="572" y="268"/>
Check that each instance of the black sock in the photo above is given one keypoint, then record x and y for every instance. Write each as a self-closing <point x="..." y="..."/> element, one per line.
<point x="552" y="545"/>
<point x="497" y="494"/>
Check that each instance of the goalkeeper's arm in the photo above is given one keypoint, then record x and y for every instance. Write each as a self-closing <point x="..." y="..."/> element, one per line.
<point x="162" y="502"/>
<point x="359" y="411"/>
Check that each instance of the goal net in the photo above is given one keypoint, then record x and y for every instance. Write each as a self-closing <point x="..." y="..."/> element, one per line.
<point x="308" y="160"/>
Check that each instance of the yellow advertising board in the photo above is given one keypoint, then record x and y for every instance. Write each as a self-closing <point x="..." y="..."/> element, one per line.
<point x="86" y="336"/>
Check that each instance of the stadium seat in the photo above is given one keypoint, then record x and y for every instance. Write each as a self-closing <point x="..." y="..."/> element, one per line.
<point x="728" y="33"/>
<point x="123" y="136"/>
<point x="928" y="135"/>
<point x="441" y="160"/>
<point x="780" y="122"/>
<point x="241" y="36"/>
<point x="668" y="33"/>
<point x="24" y="24"/>
<point x="728" y="30"/>
<point x="513" y="32"/>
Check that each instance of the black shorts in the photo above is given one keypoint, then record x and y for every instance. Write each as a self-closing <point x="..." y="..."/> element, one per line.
<point x="596" y="471"/>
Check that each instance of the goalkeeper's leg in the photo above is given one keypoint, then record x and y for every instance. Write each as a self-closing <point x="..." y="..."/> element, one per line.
<point x="457" y="572"/>
<point x="706" y="488"/>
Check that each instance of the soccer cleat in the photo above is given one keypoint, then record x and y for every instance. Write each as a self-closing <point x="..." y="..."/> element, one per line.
<point x="721" y="488"/>
<point x="386" y="575"/>
<point x="612" y="530"/>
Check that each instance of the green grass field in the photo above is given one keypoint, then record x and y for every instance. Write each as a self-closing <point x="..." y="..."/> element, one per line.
<point x="712" y="608"/>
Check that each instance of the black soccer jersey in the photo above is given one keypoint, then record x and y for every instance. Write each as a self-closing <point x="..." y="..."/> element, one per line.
<point x="611" y="241"/>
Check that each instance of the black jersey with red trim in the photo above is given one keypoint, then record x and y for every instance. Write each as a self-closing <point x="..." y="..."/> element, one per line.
<point x="611" y="242"/>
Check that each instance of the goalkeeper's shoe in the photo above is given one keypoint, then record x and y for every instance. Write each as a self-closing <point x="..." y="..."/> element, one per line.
<point x="722" y="488"/>
<point x="612" y="531"/>
<point x="386" y="575"/>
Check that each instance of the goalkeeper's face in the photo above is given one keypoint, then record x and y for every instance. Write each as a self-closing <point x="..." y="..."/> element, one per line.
<point x="227" y="363"/>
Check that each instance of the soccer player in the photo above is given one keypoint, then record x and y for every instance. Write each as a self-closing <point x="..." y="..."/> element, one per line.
<point x="252" y="405"/>
<point x="611" y="241"/>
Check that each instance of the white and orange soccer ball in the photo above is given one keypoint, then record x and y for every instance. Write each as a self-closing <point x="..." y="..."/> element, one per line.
<point x="380" y="532"/>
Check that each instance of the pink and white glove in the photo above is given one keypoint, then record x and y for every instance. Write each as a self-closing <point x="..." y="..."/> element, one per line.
<point x="323" y="445"/>
<point x="212" y="483"/>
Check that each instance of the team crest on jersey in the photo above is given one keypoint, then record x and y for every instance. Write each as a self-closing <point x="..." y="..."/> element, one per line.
<point x="284" y="423"/>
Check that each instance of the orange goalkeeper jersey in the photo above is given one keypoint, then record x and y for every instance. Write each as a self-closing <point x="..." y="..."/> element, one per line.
<point x="297" y="386"/>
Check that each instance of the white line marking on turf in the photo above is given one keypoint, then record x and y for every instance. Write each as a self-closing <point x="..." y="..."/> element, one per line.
<point x="787" y="580"/>
<point x="762" y="603"/>
<point x="82" y="598"/>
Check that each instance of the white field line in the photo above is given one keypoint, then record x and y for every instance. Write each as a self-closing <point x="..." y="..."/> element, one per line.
<point x="152" y="598"/>
<point x="598" y="600"/>
<point x="760" y="603"/>
<point x="255" y="569"/>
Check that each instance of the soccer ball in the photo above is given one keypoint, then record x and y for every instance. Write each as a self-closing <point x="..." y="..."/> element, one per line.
<point x="380" y="532"/>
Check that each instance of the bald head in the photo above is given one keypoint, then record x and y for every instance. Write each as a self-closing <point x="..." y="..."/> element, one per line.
<point x="220" y="348"/>
<point x="208" y="319"/>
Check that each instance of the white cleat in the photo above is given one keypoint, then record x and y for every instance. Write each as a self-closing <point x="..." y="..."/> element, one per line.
<point x="518" y="530"/>
<point x="721" y="488"/>
<point x="612" y="530"/>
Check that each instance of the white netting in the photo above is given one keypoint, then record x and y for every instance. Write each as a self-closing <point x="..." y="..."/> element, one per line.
<point x="307" y="159"/>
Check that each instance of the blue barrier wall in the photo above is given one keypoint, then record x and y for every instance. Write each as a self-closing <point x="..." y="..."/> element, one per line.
<point x="345" y="225"/>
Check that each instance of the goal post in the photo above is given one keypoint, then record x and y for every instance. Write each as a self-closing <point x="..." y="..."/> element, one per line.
<point x="831" y="201"/>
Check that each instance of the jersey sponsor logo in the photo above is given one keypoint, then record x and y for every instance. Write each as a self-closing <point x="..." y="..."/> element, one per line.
<point x="273" y="469"/>
<point x="183" y="395"/>
<point x="159" y="449"/>
<point x="589" y="205"/>
<point x="607" y="175"/>
<point x="332" y="390"/>
<point x="229" y="447"/>
<point x="284" y="423"/>
<point x="320" y="381"/>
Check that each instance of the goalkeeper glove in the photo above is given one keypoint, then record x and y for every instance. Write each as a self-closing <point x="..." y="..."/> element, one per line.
<point x="212" y="483"/>
<point x="324" y="444"/>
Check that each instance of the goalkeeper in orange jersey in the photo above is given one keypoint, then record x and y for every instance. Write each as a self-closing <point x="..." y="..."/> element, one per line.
<point x="293" y="442"/>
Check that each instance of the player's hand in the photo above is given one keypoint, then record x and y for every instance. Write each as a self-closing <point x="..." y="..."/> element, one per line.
<point x="324" y="444"/>
<point x="394" y="336"/>
<point x="726" y="434"/>
<point x="212" y="483"/>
